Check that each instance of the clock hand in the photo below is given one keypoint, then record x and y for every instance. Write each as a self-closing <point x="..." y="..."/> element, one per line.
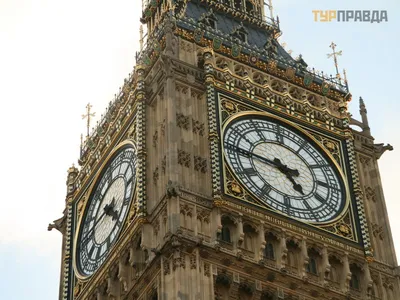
<point x="296" y="186"/>
<point x="88" y="234"/>
<point x="276" y="162"/>
<point x="285" y="169"/>
<point x="109" y="211"/>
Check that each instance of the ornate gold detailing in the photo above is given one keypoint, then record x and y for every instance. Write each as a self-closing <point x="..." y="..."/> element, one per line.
<point x="78" y="288"/>
<point x="330" y="145"/>
<point x="335" y="55"/>
<point x="81" y="205"/>
<point x="88" y="116"/>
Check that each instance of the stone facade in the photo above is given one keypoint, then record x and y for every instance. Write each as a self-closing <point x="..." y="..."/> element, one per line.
<point x="192" y="232"/>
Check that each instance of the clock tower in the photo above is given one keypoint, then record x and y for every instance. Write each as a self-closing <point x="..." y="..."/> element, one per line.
<point x="226" y="169"/>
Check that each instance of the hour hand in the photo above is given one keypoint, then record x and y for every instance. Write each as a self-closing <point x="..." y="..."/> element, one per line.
<point x="296" y="186"/>
<point x="110" y="211"/>
<point x="285" y="169"/>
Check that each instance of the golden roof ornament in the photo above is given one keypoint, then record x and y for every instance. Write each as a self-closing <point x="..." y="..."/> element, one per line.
<point x="335" y="54"/>
<point x="88" y="116"/>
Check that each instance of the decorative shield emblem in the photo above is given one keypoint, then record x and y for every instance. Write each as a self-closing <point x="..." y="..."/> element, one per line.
<point x="290" y="72"/>
<point x="253" y="59"/>
<point x="308" y="79"/>
<point x="157" y="47"/>
<point x="147" y="60"/>
<point x="217" y="43"/>
<point x="148" y="12"/>
<point x="236" y="49"/>
<point x="325" y="88"/>
<point x="153" y="3"/>
<point x="198" y="35"/>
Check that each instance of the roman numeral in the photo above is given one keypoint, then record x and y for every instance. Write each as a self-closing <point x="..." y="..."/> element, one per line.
<point x="324" y="184"/>
<point x="306" y="204"/>
<point x="302" y="145"/>
<point x="319" y="166"/>
<point x="265" y="190"/>
<point x="249" y="172"/>
<point x="288" y="205"/>
<point x="320" y="198"/>
<point x="279" y="137"/>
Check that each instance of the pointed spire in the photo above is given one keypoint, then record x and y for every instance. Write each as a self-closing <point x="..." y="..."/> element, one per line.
<point x="364" y="117"/>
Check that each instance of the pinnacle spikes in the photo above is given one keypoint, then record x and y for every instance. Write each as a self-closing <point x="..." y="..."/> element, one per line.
<point x="362" y="104"/>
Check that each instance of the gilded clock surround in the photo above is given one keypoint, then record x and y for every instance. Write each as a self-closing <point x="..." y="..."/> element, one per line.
<point x="343" y="224"/>
<point x="131" y="206"/>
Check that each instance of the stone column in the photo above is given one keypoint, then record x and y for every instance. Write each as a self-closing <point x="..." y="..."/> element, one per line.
<point x="304" y="259"/>
<point x="281" y="251"/>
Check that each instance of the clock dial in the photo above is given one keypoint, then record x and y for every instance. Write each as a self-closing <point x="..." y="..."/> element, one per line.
<point x="107" y="209"/>
<point x="285" y="168"/>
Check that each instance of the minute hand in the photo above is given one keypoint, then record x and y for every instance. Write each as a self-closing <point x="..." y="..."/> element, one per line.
<point x="276" y="162"/>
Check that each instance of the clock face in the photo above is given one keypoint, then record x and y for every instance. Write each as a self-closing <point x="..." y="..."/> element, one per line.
<point x="107" y="209"/>
<point x="285" y="168"/>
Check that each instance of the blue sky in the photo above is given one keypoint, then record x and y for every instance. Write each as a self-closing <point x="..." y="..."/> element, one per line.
<point x="57" y="56"/>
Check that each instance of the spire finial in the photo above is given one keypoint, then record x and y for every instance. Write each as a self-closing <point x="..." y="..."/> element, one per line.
<point x="141" y="37"/>
<point x="88" y="116"/>
<point x="364" y="117"/>
<point x="335" y="55"/>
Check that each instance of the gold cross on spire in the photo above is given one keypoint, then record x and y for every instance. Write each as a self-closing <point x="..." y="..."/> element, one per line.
<point x="88" y="116"/>
<point x="335" y="55"/>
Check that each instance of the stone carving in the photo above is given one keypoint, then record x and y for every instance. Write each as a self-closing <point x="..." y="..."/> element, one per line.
<point x="164" y="164"/>
<point x="172" y="189"/>
<point x="155" y="139"/>
<point x="370" y="194"/>
<point x="182" y="121"/>
<point x="186" y="210"/>
<point x="184" y="158"/>
<point x="193" y="261"/>
<point x="207" y="269"/>
<point x="198" y="127"/>
<point x="163" y="127"/>
<point x="156" y="176"/>
<point x="200" y="164"/>
<point x="58" y="224"/>
<point x="377" y="231"/>
<point x="379" y="149"/>
<point x="167" y="269"/>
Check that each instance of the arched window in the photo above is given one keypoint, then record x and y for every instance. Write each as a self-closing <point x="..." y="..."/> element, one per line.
<point x="312" y="266"/>
<point x="355" y="277"/>
<point x="227" y="2"/>
<point x="336" y="269"/>
<point x="249" y="237"/>
<point x="226" y="234"/>
<point x="291" y="260"/>
<point x="249" y="7"/>
<point x="238" y="4"/>
<point x="354" y="282"/>
<point x="333" y="274"/>
<point x="269" y="251"/>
